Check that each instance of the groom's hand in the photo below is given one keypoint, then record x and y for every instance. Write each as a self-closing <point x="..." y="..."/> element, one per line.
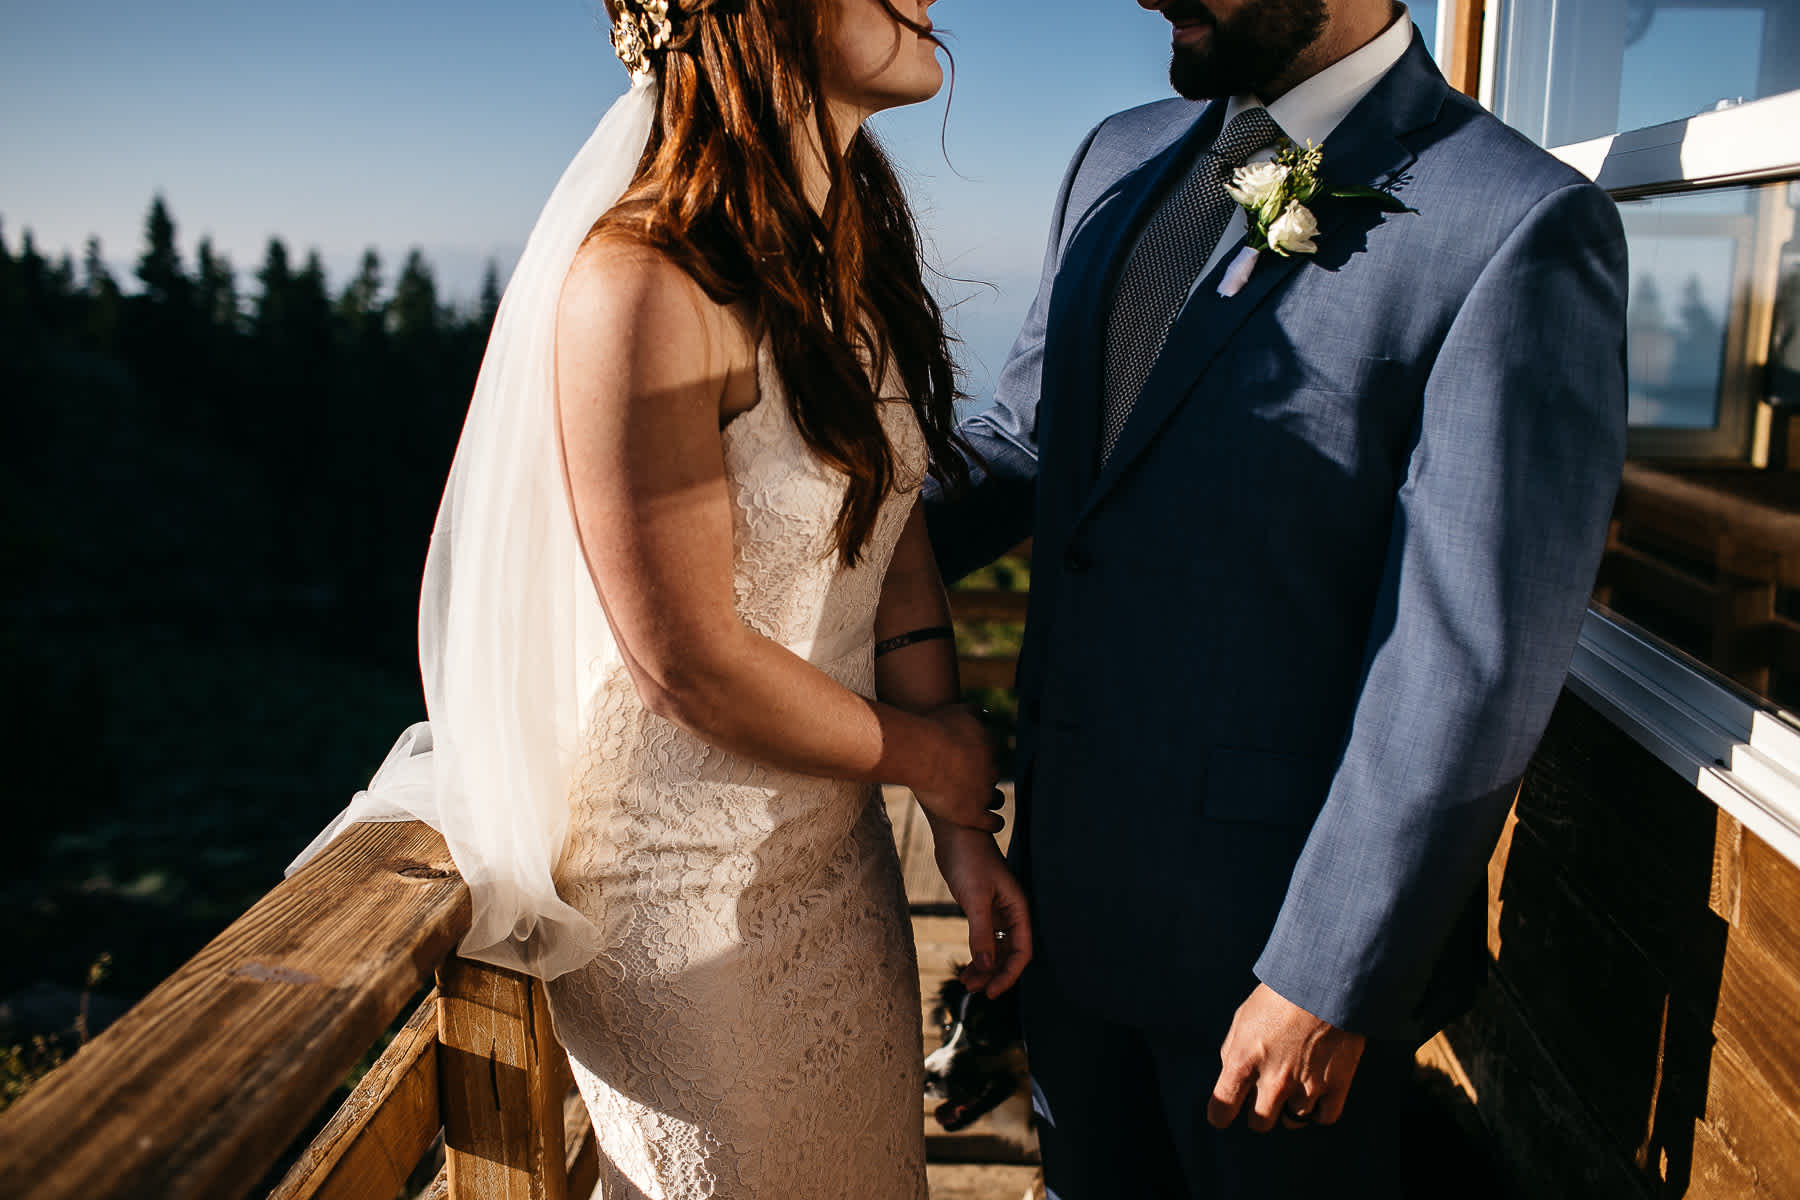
<point x="964" y="778"/>
<point x="1287" y="1064"/>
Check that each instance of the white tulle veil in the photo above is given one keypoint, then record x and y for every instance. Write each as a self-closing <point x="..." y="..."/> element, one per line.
<point x="508" y="620"/>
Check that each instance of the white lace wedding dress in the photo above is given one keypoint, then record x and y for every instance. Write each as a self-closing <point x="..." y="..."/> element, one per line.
<point x="751" y="1029"/>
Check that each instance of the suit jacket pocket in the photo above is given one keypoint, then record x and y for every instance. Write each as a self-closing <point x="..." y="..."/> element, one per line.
<point x="1268" y="787"/>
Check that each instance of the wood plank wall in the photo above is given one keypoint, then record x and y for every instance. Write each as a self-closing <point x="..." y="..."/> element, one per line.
<point x="1640" y="1034"/>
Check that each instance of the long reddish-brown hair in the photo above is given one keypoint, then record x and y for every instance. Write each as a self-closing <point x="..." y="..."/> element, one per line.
<point x="840" y="294"/>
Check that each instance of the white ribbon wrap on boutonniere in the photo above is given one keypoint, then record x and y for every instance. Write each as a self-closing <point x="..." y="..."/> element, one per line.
<point x="1274" y="196"/>
<point x="1238" y="273"/>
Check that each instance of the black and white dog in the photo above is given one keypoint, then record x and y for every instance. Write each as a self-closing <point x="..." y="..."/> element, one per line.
<point x="980" y="1068"/>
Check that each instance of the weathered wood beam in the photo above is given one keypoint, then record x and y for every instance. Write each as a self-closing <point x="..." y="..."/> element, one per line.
<point x="382" y="1131"/>
<point x="503" y="1084"/>
<point x="198" y="1089"/>
<point x="581" y="1154"/>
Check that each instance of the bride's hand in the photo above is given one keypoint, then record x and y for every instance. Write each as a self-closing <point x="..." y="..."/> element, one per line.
<point x="994" y="903"/>
<point x="962" y="788"/>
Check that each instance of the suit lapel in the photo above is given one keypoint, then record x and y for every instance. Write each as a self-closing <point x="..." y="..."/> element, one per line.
<point x="1365" y="149"/>
<point x="1075" y="340"/>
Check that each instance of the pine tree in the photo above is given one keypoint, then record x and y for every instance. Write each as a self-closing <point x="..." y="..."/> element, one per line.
<point x="1699" y="348"/>
<point x="310" y="333"/>
<point x="490" y="296"/>
<point x="62" y="277"/>
<point x="217" y="383"/>
<point x="10" y="300"/>
<point x="32" y="270"/>
<point x="104" y="302"/>
<point x="216" y="288"/>
<point x="160" y="266"/>
<point x="361" y="298"/>
<point x="310" y="287"/>
<point x="275" y="299"/>
<point x="413" y="312"/>
<point x="311" y="319"/>
<point x="94" y="275"/>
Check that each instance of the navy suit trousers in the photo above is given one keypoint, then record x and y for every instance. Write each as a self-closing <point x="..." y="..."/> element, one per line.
<point x="1134" y="1101"/>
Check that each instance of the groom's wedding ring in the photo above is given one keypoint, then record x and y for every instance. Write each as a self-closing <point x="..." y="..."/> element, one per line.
<point x="1300" y="1116"/>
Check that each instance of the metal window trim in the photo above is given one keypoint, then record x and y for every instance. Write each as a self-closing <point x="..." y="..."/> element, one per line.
<point x="1748" y="143"/>
<point x="1743" y="754"/>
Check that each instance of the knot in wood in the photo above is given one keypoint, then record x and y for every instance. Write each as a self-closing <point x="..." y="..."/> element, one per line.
<point x="423" y="871"/>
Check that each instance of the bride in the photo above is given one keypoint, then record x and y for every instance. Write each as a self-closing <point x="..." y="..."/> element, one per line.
<point x="680" y="615"/>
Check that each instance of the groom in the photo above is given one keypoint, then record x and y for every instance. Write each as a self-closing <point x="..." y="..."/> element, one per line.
<point x="1310" y="561"/>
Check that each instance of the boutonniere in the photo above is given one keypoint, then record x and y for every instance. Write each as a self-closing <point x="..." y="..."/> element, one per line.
<point x="1274" y="196"/>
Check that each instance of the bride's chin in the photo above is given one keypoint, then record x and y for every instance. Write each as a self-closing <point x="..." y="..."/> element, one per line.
<point x="904" y="95"/>
<point x="931" y="82"/>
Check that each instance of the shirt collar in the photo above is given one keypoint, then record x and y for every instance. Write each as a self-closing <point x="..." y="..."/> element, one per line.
<point x="1311" y="109"/>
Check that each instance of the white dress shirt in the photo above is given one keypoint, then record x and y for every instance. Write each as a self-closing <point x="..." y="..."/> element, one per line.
<point x="1315" y="106"/>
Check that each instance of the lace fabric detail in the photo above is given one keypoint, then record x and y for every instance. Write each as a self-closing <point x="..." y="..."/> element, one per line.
<point x="750" y="1028"/>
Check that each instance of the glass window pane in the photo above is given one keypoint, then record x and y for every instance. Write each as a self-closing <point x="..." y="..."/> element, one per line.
<point x="1685" y="60"/>
<point x="1705" y="550"/>
<point x="1685" y="256"/>
<point x="1570" y="72"/>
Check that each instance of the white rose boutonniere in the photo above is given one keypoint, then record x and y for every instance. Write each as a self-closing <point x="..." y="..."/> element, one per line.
<point x="1257" y="184"/>
<point x="1275" y="196"/>
<point x="1293" y="231"/>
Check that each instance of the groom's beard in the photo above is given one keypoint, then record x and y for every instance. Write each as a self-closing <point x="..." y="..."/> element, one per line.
<point x="1252" y="49"/>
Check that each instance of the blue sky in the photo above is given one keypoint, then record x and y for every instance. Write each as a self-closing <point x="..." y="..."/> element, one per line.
<point x="343" y="124"/>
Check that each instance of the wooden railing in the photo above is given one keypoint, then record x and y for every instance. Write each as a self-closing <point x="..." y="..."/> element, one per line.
<point x="202" y="1088"/>
<point x="979" y="670"/>
<point x="979" y="605"/>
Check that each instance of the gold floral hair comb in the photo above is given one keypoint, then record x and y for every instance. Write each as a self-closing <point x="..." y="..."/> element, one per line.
<point x="641" y="28"/>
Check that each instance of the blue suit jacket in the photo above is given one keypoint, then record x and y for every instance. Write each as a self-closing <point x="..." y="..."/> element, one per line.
<point x="1289" y="652"/>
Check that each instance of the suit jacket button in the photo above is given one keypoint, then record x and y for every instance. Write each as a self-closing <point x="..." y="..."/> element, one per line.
<point x="1077" y="560"/>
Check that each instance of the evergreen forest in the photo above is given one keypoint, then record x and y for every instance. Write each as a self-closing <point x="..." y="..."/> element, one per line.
<point x="217" y="504"/>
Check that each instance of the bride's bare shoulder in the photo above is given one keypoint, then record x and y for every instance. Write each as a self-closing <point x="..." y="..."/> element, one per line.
<point x="643" y="307"/>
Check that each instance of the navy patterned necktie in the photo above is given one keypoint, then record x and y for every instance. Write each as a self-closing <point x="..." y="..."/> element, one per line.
<point x="1169" y="255"/>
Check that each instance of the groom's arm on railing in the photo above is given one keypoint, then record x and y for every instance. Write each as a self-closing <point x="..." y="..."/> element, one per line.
<point x="972" y="529"/>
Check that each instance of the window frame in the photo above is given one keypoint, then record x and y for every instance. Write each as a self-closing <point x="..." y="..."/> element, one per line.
<point x="1737" y="748"/>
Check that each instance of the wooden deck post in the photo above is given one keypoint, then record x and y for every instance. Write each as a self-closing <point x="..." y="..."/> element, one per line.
<point x="503" y="1079"/>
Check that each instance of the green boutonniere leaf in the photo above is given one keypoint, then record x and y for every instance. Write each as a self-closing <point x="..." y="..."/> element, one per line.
<point x="1387" y="201"/>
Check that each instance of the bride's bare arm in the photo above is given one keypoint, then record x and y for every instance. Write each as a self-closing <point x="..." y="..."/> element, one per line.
<point x="648" y="369"/>
<point x="921" y="677"/>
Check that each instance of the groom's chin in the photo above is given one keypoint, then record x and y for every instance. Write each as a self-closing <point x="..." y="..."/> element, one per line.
<point x="1196" y="77"/>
